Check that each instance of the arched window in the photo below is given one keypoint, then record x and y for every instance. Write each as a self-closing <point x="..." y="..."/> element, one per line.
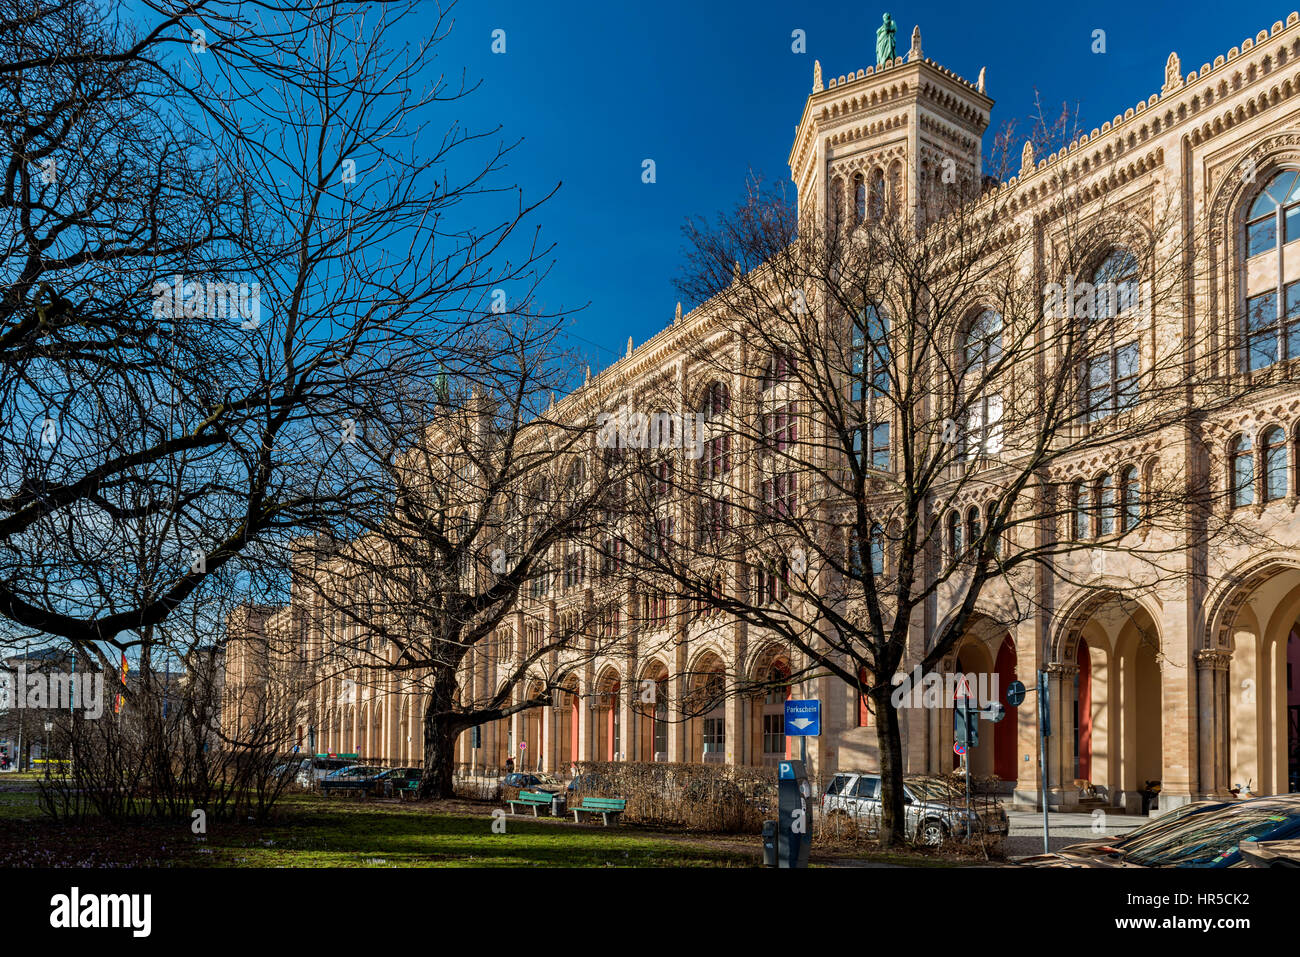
<point x="877" y="550"/>
<point x="859" y="198"/>
<point x="1082" y="497"/>
<point x="990" y="512"/>
<point x="955" y="544"/>
<point x="837" y="204"/>
<point x="780" y="366"/>
<point x="1114" y="359"/>
<point x="982" y="342"/>
<point x="1272" y="330"/>
<point x="1243" y="472"/>
<point x="1131" y="493"/>
<point x="869" y="387"/>
<point x="1274" y="464"/>
<point x="973" y="524"/>
<point x="717" y="400"/>
<point x="877" y="194"/>
<point x="1115" y="285"/>
<point x="1106" y="505"/>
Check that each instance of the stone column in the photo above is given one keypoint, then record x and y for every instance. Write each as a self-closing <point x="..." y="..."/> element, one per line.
<point x="1060" y="744"/>
<point x="1212" y="722"/>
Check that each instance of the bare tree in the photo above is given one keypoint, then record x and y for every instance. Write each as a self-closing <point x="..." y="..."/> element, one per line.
<point x="475" y="546"/>
<point x="225" y="233"/>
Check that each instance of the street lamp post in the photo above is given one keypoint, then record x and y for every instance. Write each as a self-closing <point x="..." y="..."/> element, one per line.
<point x="49" y="726"/>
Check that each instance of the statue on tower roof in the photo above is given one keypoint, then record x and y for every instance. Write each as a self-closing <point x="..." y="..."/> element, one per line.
<point x="885" y="48"/>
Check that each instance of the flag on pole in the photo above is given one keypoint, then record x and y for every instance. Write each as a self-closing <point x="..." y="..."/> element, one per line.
<point x="117" y="705"/>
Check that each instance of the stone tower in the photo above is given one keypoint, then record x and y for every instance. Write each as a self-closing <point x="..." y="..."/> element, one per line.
<point x="875" y="140"/>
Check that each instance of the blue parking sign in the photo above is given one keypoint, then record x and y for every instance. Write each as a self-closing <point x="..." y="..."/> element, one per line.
<point x="803" y="718"/>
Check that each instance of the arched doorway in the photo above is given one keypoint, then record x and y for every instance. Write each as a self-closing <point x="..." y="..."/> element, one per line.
<point x="607" y="723"/>
<point x="1261" y="633"/>
<point x="706" y="705"/>
<point x="531" y="756"/>
<point x="768" y="743"/>
<point x="567" y="722"/>
<point x="976" y="664"/>
<point x="652" y="714"/>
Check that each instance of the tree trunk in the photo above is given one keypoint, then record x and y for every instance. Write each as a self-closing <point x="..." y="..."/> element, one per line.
<point x="893" y="830"/>
<point x="440" y="731"/>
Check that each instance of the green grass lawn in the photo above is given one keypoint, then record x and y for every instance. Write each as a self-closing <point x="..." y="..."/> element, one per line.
<point x="311" y="831"/>
<point x="319" y="832"/>
<point x="314" y="831"/>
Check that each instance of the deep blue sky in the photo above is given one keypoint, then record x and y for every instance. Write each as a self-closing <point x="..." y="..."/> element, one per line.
<point x="710" y="89"/>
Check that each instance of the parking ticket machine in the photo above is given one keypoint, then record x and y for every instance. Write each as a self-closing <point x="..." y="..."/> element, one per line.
<point x="794" y="824"/>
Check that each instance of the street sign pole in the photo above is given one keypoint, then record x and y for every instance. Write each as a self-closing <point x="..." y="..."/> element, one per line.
<point x="966" y="757"/>
<point x="1044" y="729"/>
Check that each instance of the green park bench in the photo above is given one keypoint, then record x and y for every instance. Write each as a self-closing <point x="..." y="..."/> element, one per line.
<point x="533" y="799"/>
<point x="602" y="806"/>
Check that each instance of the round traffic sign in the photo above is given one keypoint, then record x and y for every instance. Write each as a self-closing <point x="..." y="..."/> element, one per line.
<point x="523" y="745"/>
<point x="1015" y="693"/>
<point x="959" y="749"/>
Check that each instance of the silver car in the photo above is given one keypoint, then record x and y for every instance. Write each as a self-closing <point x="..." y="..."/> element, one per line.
<point x="933" y="809"/>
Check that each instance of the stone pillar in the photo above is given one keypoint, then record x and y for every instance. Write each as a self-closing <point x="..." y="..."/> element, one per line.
<point x="1060" y="744"/>
<point x="1212" y="722"/>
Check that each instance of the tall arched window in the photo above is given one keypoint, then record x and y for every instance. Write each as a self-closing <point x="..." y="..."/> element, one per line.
<point x="973" y="524"/>
<point x="1106" y="505"/>
<point x="955" y="544"/>
<point x="1082" y="500"/>
<point x="877" y="209"/>
<point x="780" y="366"/>
<point x="982" y="343"/>
<point x="1111" y="370"/>
<point x="1115" y="285"/>
<point x="1274" y="464"/>
<point x="717" y="400"/>
<point x="877" y="550"/>
<point x="869" y="387"/>
<point x="837" y="204"/>
<point x="990" y="513"/>
<point x="1243" y="472"/>
<point x="1272" y="327"/>
<point x="1131" y="493"/>
<point x="859" y="198"/>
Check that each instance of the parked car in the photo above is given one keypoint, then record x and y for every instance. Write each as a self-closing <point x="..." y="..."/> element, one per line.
<point x="1271" y="854"/>
<point x="1102" y="846"/>
<point x="533" y="781"/>
<point x="1212" y="837"/>
<point x="932" y="809"/>
<point x="394" y="780"/>
<point x="360" y="777"/>
<point x="313" y="770"/>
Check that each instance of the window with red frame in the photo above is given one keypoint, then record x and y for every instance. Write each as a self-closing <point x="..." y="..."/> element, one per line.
<point x="661" y="536"/>
<point x="611" y="556"/>
<point x="779" y="495"/>
<point x="779" y="429"/>
<point x="661" y="479"/>
<point x="574" y="569"/>
<point x="770" y="584"/>
<point x="715" y="520"/>
<point x="717" y="400"/>
<point x="717" y="456"/>
<point x="779" y="368"/>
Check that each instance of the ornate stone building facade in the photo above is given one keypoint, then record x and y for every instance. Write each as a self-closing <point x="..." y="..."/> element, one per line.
<point x="1188" y="684"/>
